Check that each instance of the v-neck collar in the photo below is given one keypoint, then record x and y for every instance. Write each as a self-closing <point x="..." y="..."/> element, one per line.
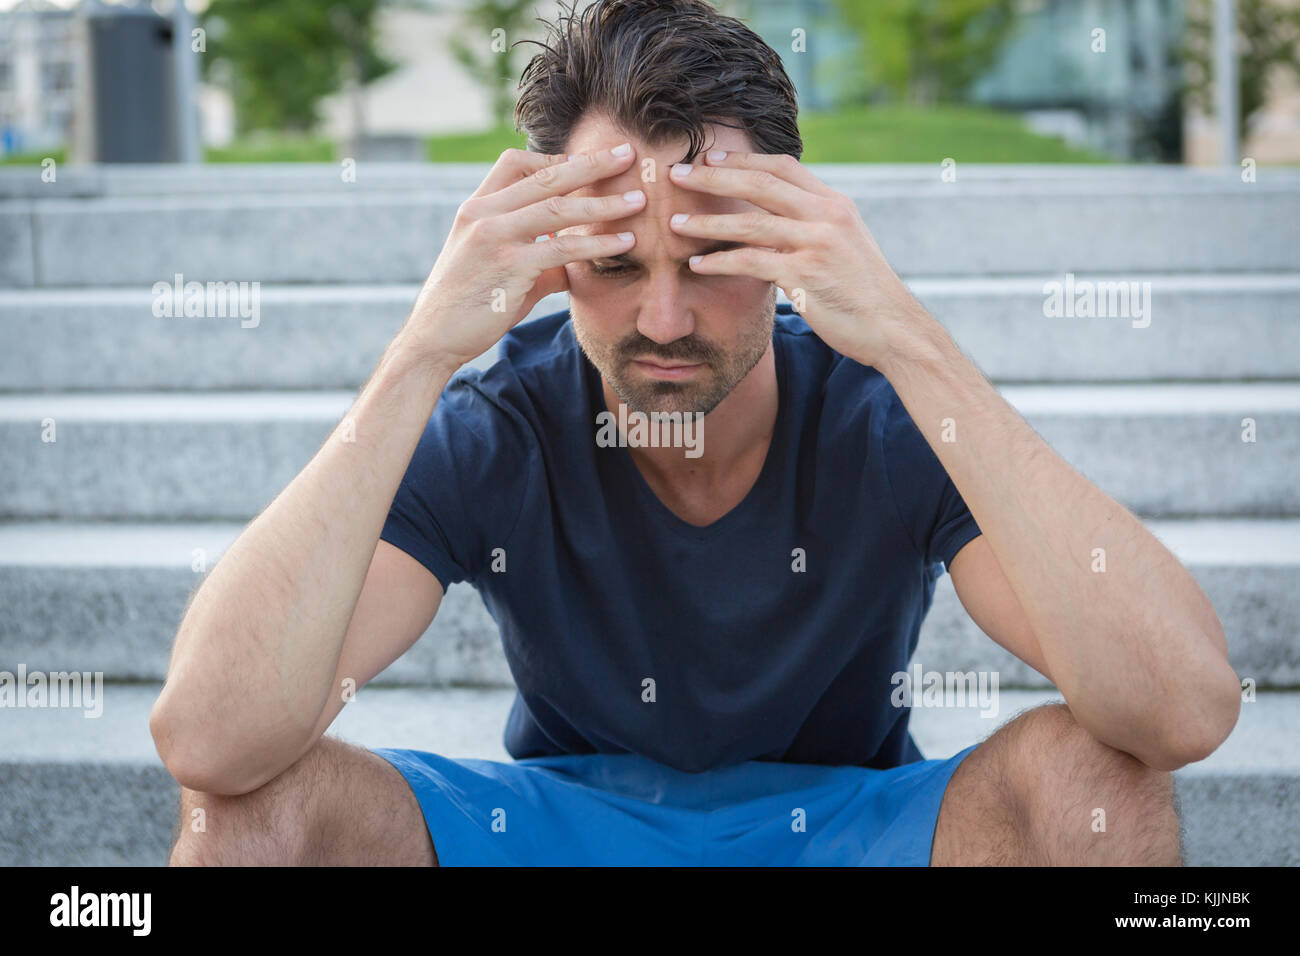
<point x="773" y="462"/>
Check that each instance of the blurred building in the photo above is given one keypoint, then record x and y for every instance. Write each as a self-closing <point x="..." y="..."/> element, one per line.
<point x="1100" y="73"/>
<point x="1121" y="101"/>
<point x="1115" y="91"/>
<point x="38" y="57"/>
<point x="429" y="92"/>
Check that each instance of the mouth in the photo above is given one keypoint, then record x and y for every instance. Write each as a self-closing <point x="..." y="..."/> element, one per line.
<point x="668" y="370"/>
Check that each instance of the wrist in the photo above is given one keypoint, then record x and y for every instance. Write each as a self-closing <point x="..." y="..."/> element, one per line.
<point x="918" y="340"/>
<point x="407" y="364"/>
<point x="408" y="351"/>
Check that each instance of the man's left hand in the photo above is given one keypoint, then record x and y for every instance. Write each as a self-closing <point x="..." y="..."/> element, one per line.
<point x="814" y="246"/>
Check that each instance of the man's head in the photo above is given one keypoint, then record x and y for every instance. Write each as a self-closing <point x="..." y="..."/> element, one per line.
<point x="675" y="78"/>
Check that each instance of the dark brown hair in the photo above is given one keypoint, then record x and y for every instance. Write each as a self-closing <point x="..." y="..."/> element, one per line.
<point x="661" y="70"/>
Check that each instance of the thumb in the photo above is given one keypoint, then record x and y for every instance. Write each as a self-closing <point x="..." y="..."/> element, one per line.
<point x="550" y="282"/>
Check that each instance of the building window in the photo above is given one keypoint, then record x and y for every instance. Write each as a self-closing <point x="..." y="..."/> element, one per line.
<point x="56" y="76"/>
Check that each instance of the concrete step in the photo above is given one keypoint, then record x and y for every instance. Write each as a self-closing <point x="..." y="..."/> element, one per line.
<point x="178" y="456"/>
<point x="1198" y="327"/>
<point x="80" y="791"/>
<point x="108" y="598"/>
<point x="339" y="234"/>
<point x="162" y="179"/>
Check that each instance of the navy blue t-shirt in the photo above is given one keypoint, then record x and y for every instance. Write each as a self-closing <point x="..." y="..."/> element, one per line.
<point x="628" y="629"/>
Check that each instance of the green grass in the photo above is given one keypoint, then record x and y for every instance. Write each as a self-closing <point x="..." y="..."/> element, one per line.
<point x="474" y="147"/>
<point x="896" y="135"/>
<point x="262" y="149"/>
<point x="34" y="159"/>
<point x="275" y="148"/>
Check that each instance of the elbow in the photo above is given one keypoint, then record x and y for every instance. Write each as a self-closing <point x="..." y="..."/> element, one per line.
<point x="1202" y="721"/>
<point x="188" y="760"/>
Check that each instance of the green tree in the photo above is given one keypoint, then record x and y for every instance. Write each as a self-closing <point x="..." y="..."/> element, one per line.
<point x="1268" y="42"/>
<point x="281" y="57"/>
<point x="924" y="52"/>
<point x="485" y="49"/>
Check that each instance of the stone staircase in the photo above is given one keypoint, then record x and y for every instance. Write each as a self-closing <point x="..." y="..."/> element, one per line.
<point x="171" y="432"/>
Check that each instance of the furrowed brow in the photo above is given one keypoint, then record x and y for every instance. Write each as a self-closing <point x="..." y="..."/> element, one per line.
<point x="627" y="258"/>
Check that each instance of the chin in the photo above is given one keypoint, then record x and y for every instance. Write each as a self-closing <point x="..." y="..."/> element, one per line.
<point x="667" y="397"/>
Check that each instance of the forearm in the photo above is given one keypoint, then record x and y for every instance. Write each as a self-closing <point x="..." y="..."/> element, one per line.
<point x="255" y="655"/>
<point x="1136" y="649"/>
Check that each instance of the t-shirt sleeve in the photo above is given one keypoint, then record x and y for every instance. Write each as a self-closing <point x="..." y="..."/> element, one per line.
<point x="462" y="491"/>
<point x="928" y="502"/>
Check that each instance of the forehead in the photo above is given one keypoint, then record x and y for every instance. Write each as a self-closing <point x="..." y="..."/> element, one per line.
<point x="595" y="131"/>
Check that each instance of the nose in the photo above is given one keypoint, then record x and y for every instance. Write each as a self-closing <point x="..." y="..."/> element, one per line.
<point x="665" y="315"/>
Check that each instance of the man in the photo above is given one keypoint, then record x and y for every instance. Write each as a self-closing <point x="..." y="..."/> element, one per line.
<point x="703" y="630"/>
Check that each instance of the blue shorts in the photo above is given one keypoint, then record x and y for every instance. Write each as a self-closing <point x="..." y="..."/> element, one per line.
<point x="626" y="810"/>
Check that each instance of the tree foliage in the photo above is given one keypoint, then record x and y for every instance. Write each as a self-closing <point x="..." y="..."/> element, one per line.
<point x="1268" y="42"/>
<point x="485" y="48"/>
<point x="282" y="57"/>
<point x="923" y="52"/>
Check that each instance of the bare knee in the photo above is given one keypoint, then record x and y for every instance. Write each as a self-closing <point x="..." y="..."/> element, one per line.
<point x="1079" y="800"/>
<point x="278" y="824"/>
<point x="1047" y="745"/>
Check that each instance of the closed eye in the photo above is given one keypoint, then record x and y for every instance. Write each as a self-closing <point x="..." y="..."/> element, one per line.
<point x="623" y="266"/>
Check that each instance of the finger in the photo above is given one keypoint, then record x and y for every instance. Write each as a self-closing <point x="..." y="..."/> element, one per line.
<point x="782" y="165"/>
<point x="571" y="247"/>
<point x="512" y="166"/>
<point x="561" y="212"/>
<point x="752" y="228"/>
<point x="764" y="264"/>
<point x="759" y="187"/>
<point x="555" y="179"/>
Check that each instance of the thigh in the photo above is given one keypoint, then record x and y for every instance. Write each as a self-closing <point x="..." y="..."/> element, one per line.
<point x="979" y="821"/>
<point x="984" y="819"/>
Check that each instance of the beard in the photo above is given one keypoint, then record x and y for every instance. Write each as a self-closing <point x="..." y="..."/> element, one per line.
<point x="723" y="368"/>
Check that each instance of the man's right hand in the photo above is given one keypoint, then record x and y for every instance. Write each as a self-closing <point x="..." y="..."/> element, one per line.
<point x="492" y="269"/>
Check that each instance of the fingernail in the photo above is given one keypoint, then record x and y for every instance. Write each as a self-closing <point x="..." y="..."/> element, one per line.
<point x="717" y="155"/>
<point x="680" y="218"/>
<point x="622" y="149"/>
<point x="633" y="195"/>
<point x="695" y="260"/>
<point x="625" y="236"/>
<point x="682" y="169"/>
